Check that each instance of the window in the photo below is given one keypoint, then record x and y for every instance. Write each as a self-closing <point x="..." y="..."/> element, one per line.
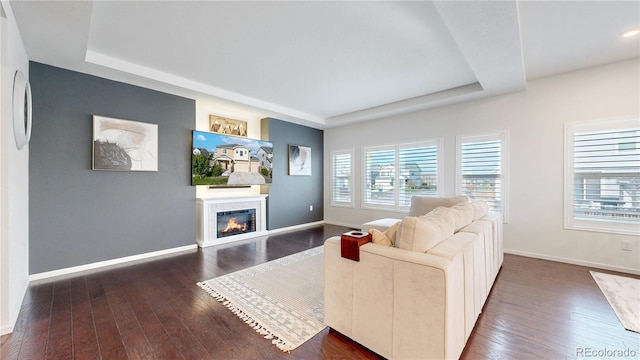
<point x="379" y="176"/>
<point x="341" y="178"/>
<point x="393" y="174"/>
<point x="482" y="169"/>
<point x="418" y="171"/>
<point x="602" y="176"/>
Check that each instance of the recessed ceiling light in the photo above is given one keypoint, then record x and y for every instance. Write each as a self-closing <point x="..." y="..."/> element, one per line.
<point x="631" y="33"/>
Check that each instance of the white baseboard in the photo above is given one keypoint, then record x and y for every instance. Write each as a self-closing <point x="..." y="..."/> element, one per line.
<point x="296" y="227"/>
<point x="6" y="330"/>
<point x="74" y="269"/>
<point x="15" y="312"/>
<point x="13" y="317"/>
<point x="574" y="261"/>
<point x="352" y="226"/>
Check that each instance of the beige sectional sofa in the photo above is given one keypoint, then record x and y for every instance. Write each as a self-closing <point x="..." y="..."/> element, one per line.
<point x="420" y="297"/>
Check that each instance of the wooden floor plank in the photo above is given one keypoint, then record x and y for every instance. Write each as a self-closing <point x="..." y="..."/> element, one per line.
<point x="85" y="340"/>
<point x="37" y="327"/>
<point x="109" y="340"/>
<point x="152" y="309"/>
<point x="59" y="343"/>
<point x="158" y="339"/>
<point x="180" y="335"/>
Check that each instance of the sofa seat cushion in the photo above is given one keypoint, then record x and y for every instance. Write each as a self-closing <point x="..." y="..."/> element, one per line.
<point x="424" y="232"/>
<point x="421" y="205"/>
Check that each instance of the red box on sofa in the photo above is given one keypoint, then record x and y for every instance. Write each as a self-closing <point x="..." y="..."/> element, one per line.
<point x="350" y="243"/>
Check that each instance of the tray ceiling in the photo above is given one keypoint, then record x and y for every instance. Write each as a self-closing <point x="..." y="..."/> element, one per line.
<point x="328" y="63"/>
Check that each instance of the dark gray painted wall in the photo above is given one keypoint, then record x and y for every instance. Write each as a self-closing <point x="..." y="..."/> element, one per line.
<point x="290" y="196"/>
<point x="80" y="216"/>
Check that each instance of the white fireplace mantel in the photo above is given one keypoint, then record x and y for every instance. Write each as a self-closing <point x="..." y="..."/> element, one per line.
<point x="206" y="217"/>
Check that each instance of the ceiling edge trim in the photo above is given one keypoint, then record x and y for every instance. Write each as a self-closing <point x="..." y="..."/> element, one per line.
<point x="97" y="58"/>
<point x="439" y="98"/>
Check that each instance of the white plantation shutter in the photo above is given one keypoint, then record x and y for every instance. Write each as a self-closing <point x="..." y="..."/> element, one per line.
<point x="341" y="178"/>
<point x="482" y="170"/>
<point x="603" y="176"/>
<point x="418" y="171"/>
<point x="393" y="174"/>
<point x="379" y="176"/>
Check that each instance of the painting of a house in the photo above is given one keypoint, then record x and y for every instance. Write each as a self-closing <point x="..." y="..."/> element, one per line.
<point x="230" y="160"/>
<point x="235" y="157"/>
<point x="265" y="156"/>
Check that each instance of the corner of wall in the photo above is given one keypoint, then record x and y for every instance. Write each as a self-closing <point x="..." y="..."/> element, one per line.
<point x="294" y="200"/>
<point x="264" y="135"/>
<point x="14" y="179"/>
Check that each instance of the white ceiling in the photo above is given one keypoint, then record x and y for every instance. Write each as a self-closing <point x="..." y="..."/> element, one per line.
<point x="328" y="63"/>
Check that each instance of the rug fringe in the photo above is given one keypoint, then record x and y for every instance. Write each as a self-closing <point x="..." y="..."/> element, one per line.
<point x="275" y="340"/>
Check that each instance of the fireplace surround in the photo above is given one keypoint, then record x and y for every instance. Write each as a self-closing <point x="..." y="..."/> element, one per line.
<point x="221" y="220"/>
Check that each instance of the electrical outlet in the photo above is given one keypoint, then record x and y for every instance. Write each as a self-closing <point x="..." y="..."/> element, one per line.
<point x="625" y="245"/>
<point x="310" y="207"/>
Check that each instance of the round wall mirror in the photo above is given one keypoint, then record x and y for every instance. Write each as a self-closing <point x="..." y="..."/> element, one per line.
<point x="21" y="110"/>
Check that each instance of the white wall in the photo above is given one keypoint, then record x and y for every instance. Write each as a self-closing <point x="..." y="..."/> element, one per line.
<point x="535" y="122"/>
<point x="14" y="182"/>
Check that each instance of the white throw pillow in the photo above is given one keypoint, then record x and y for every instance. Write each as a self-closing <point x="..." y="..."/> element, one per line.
<point x="378" y="237"/>
<point x="386" y="238"/>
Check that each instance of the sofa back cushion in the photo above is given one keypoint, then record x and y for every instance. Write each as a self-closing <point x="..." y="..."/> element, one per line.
<point x="424" y="232"/>
<point x="463" y="214"/>
<point x="421" y="205"/>
<point x="480" y="209"/>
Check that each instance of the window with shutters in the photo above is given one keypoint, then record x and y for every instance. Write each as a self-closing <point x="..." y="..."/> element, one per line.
<point x="393" y="174"/>
<point x="379" y="177"/>
<point x="482" y="170"/>
<point x="602" y="176"/>
<point x="417" y="171"/>
<point x="341" y="178"/>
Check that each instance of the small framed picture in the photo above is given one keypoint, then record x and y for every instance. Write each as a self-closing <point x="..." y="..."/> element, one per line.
<point x="299" y="160"/>
<point x="227" y="126"/>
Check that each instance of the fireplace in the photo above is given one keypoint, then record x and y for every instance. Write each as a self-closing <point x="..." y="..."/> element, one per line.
<point x="224" y="219"/>
<point x="236" y="222"/>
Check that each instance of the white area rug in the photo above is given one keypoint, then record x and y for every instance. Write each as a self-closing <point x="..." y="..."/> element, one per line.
<point x="281" y="299"/>
<point x="623" y="294"/>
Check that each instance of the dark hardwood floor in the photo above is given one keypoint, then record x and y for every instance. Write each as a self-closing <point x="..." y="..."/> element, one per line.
<point x="153" y="309"/>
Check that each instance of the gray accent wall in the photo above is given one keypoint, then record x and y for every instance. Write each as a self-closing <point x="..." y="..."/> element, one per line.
<point x="80" y="216"/>
<point x="290" y="196"/>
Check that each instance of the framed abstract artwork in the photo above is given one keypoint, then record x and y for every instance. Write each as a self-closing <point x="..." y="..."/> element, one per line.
<point x="299" y="160"/>
<point x="124" y="145"/>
